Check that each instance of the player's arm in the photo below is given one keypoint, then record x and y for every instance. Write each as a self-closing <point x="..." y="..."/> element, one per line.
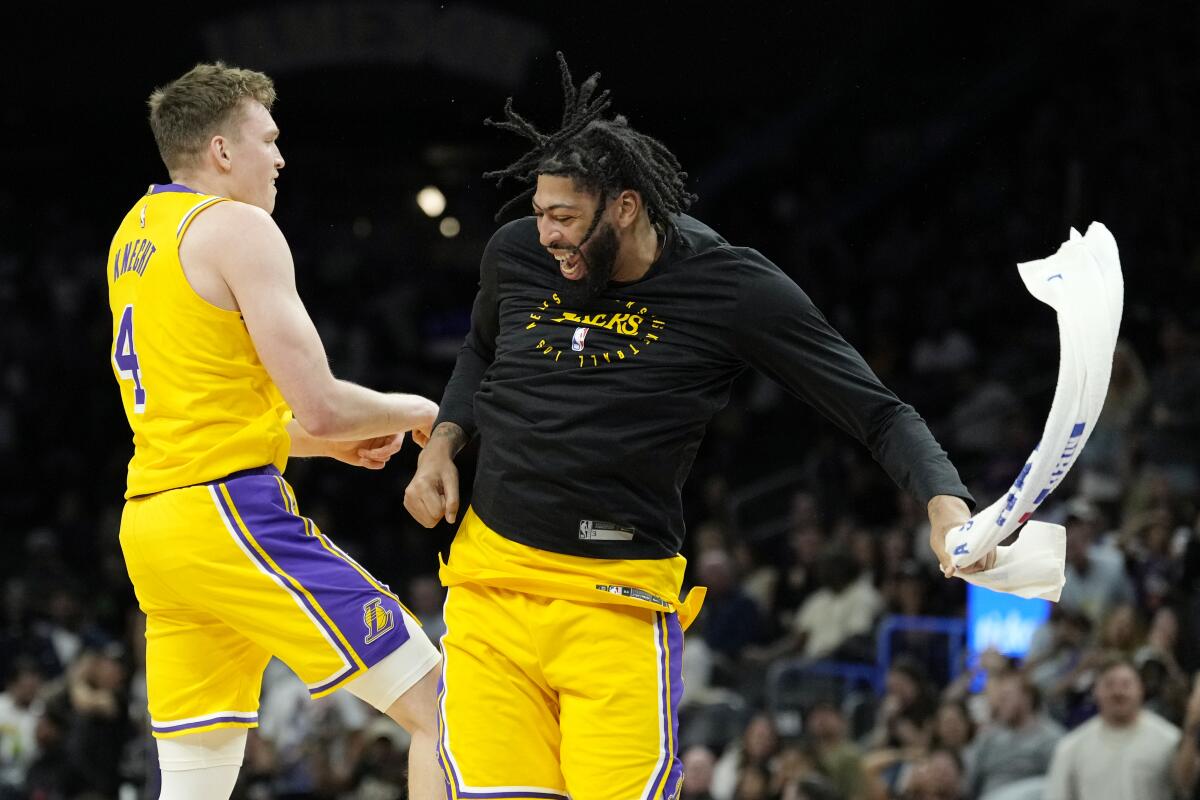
<point x="433" y="495"/>
<point x="781" y="332"/>
<point x="246" y="249"/>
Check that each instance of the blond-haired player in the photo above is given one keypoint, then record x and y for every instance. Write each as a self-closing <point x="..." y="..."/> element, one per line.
<point x="223" y="376"/>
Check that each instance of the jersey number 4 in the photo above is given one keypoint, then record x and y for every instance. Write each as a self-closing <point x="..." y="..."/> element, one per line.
<point x="126" y="360"/>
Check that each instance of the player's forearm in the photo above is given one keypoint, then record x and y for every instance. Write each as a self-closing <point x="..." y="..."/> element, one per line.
<point x="448" y="437"/>
<point x="352" y="412"/>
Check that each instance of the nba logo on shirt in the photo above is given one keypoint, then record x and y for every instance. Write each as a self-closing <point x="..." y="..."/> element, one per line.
<point x="577" y="339"/>
<point x="378" y="620"/>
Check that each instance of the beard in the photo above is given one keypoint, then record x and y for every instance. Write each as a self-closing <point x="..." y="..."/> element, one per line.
<point x="599" y="254"/>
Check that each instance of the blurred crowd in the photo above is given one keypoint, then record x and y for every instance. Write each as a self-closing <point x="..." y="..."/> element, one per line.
<point x="807" y="548"/>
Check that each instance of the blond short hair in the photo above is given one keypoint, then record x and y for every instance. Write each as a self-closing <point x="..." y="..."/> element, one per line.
<point x="186" y="112"/>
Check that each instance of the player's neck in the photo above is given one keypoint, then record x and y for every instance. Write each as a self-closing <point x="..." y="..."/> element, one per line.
<point x="199" y="182"/>
<point x="639" y="253"/>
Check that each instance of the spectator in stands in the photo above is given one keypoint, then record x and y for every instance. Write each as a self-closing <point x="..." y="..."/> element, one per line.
<point x="1019" y="742"/>
<point x="835" y="620"/>
<point x="1124" y="753"/>
<point x="1096" y="579"/>
<point x="20" y="708"/>
<point x="936" y="776"/>
<point x="954" y="730"/>
<point x="99" y="725"/>
<point x="698" y="763"/>
<point x="754" y="752"/>
<point x="1171" y="442"/>
<point x="835" y="755"/>
<point x="1053" y="669"/>
<point x="906" y="708"/>
<point x="730" y="622"/>
<point x="1185" y="769"/>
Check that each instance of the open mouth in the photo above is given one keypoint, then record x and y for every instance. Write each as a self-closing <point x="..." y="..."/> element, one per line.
<point x="570" y="264"/>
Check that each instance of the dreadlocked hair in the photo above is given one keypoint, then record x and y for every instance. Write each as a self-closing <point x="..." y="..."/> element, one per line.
<point x="605" y="156"/>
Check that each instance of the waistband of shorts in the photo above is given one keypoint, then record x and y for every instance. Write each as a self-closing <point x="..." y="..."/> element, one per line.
<point x="254" y="472"/>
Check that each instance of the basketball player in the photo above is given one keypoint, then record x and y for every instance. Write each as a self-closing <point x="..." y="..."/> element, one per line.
<point x="223" y="376"/>
<point x="607" y="331"/>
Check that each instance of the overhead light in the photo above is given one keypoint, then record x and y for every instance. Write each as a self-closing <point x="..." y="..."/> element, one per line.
<point x="449" y="227"/>
<point x="432" y="201"/>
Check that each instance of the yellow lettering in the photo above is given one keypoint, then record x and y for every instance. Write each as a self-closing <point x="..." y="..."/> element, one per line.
<point x="658" y="323"/>
<point x="556" y="298"/>
<point x="629" y="304"/>
<point x="643" y="310"/>
<point x="621" y="354"/>
<point x="541" y="343"/>
<point x="595" y="361"/>
<point x="535" y="316"/>
<point x="549" y="349"/>
<point x="650" y="337"/>
<point x="557" y="355"/>
<point x="581" y="361"/>
<point x="531" y="326"/>
<point x="607" y="359"/>
<point x="635" y="350"/>
<point x="543" y="306"/>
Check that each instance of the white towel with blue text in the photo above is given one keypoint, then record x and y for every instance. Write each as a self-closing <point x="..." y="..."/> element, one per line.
<point x="1083" y="283"/>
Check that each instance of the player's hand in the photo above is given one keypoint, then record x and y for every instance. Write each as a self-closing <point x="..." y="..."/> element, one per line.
<point x="945" y="514"/>
<point x="432" y="495"/>
<point x="367" y="453"/>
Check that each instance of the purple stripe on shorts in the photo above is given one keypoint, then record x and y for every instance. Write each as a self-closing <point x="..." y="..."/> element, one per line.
<point x="371" y="621"/>
<point x="502" y="795"/>
<point x="671" y="667"/>
<point x="202" y="723"/>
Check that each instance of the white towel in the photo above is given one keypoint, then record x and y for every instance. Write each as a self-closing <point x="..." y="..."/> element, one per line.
<point x="1083" y="283"/>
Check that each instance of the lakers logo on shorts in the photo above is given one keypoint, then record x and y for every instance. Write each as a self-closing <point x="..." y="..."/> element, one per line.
<point x="378" y="620"/>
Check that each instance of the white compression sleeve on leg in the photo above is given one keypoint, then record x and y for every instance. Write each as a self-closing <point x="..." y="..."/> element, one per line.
<point x="201" y="766"/>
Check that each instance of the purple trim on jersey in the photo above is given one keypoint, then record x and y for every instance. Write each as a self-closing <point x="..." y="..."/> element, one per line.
<point x="335" y="585"/>
<point x="250" y="720"/>
<point x="671" y="668"/>
<point x="159" y="188"/>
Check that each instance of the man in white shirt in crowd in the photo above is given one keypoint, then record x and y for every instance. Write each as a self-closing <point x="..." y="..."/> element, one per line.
<point x="1123" y="753"/>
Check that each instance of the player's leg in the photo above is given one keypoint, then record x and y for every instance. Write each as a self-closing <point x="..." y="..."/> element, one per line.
<point x="499" y="734"/>
<point x="619" y="673"/>
<point x="404" y="686"/>
<point x="414" y="707"/>
<point x="203" y="677"/>
<point x="201" y="766"/>
<point x="327" y="618"/>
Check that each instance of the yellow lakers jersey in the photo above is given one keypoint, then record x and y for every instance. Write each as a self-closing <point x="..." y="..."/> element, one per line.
<point x="199" y="401"/>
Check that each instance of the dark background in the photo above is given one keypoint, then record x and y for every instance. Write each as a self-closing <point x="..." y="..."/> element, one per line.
<point x="897" y="159"/>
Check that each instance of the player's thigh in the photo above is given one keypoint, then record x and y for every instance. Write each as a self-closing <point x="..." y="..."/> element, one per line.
<point x="498" y="719"/>
<point x="200" y="672"/>
<point x="293" y="591"/>
<point x="619" y="674"/>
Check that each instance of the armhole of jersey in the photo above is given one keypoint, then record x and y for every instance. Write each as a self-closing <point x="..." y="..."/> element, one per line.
<point x="184" y="225"/>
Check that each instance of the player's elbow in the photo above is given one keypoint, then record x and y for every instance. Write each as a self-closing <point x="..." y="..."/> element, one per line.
<point x="320" y="419"/>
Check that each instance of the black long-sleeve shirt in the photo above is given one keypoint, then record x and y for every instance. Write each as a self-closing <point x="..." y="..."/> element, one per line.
<point x="590" y="417"/>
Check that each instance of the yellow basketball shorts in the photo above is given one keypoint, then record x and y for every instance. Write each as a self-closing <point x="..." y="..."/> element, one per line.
<point x="228" y="575"/>
<point x="551" y="698"/>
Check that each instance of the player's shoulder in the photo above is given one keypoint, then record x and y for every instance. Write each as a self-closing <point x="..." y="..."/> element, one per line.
<point x="232" y="222"/>
<point x="519" y="233"/>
